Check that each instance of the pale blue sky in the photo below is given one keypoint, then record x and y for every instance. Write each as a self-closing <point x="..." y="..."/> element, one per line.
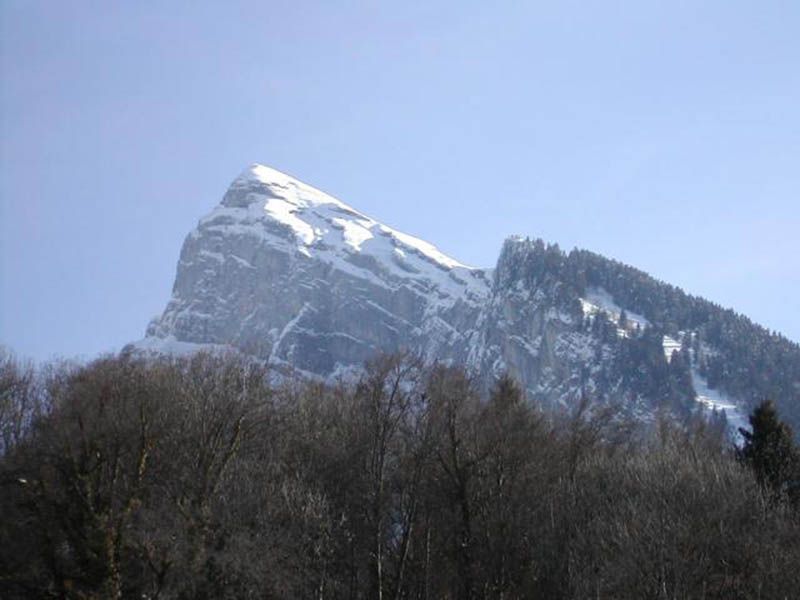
<point x="663" y="134"/>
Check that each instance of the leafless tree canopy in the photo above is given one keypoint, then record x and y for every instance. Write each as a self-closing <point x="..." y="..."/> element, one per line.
<point x="198" y="478"/>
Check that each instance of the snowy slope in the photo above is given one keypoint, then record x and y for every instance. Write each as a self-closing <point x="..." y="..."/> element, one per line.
<point x="719" y="401"/>
<point x="317" y="225"/>
<point x="317" y="219"/>
<point x="599" y="301"/>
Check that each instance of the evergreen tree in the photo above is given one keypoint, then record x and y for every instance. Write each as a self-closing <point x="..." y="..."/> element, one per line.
<point x="623" y="320"/>
<point x="681" y="376"/>
<point x="769" y="449"/>
<point x="686" y="346"/>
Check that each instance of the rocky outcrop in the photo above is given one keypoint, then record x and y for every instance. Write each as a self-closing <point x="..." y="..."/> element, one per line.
<point x="287" y="273"/>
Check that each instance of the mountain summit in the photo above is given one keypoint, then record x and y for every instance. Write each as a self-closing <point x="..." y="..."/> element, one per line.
<point x="287" y="273"/>
<point x="320" y="221"/>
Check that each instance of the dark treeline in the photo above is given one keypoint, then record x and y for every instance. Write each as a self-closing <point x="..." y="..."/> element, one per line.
<point x="197" y="478"/>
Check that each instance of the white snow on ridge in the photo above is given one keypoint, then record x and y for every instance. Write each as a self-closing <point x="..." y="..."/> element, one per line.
<point x="288" y="188"/>
<point x="424" y="247"/>
<point x="311" y="215"/>
<point x="285" y="212"/>
<point x="354" y="232"/>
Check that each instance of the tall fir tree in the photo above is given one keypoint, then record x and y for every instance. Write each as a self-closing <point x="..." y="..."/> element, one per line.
<point x="769" y="449"/>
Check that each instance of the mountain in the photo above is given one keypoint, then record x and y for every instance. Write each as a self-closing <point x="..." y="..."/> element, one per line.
<point x="284" y="272"/>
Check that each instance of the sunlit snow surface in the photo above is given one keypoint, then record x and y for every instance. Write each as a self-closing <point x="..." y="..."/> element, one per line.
<point x="292" y="216"/>
<point x="670" y="345"/>
<point x="314" y="216"/>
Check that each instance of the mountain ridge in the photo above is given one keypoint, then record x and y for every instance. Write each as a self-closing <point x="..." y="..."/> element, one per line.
<point x="289" y="274"/>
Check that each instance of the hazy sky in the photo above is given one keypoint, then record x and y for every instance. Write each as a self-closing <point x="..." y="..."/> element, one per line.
<point x="663" y="134"/>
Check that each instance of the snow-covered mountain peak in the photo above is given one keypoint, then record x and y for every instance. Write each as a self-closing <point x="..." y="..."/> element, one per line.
<point x="260" y="180"/>
<point x="291" y="274"/>
<point x="318" y="222"/>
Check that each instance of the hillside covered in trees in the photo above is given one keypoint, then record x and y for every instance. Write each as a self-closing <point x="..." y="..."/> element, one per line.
<point x="199" y="478"/>
<point x="727" y="350"/>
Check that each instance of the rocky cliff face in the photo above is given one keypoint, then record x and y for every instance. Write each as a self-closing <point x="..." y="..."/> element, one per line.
<point x="290" y="274"/>
<point x="287" y="273"/>
<point x="529" y="333"/>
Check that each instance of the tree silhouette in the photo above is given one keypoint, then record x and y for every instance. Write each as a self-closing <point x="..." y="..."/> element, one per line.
<point x="769" y="449"/>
